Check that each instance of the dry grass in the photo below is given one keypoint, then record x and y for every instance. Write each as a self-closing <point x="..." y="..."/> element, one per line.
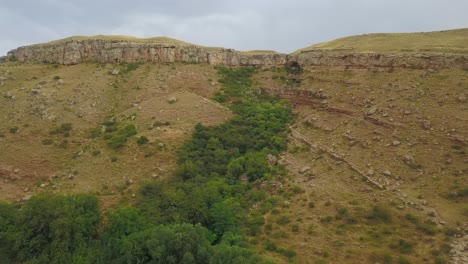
<point x="158" y="40"/>
<point x="259" y="52"/>
<point x="88" y="95"/>
<point x="406" y="100"/>
<point x="450" y="41"/>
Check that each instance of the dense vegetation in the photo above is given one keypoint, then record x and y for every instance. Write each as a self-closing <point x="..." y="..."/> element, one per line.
<point x="199" y="216"/>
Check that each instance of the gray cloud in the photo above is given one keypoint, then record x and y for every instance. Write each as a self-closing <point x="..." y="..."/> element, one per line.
<point x="243" y="24"/>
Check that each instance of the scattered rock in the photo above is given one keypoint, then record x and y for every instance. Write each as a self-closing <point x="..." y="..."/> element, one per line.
<point x="10" y="96"/>
<point x="172" y="100"/>
<point x="462" y="98"/>
<point x="35" y="91"/>
<point x="410" y="161"/>
<point x="396" y="143"/>
<point x="272" y="159"/>
<point x="43" y="185"/>
<point x="426" y="125"/>
<point x="372" y="110"/>
<point x="304" y="169"/>
<point x="386" y="173"/>
<point x="27" y="197"/>
<point x="115" y="72"/>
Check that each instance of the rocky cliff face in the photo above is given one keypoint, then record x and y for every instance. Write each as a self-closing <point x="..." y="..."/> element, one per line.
<point x="109" y="51"/>
<point x="377" y="60"/>
<point x="118" y="51"/>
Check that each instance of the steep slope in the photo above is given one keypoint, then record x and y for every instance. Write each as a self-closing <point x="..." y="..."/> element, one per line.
<point x="367" y="139"/>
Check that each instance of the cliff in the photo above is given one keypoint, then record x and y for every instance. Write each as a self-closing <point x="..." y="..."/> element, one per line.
<point x="118" y="51"/>
<point x="381" y="60"/>
<point x="69" y="52"/>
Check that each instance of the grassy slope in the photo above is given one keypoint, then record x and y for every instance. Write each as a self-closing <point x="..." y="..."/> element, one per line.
<point x="406" y="98"/>
<point x="450" y="41"/>
<point x="88" y="95"/>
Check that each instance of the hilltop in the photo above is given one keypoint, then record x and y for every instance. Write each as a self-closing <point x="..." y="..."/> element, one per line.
<point x="435" y="50"/>
<point x="448" y="41"/>
<point x="160" y="40"/>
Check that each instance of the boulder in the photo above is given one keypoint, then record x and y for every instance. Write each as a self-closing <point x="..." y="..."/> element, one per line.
<point x="171" y="100"/>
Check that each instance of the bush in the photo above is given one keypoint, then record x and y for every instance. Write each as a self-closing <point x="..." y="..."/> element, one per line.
<point x="64" y="129"/>
<point x="412" y="218"/>
<point x="142" y="140"/>
<point x="289" y="253"/>
<point x="283" y="220"/>
<point x="270" y="246"/>
<point x="403" y="260"/>
<point x="47" y="141"/>
<point x="295" y="228"/>
<point x="118" y="139"/>
<point x="405" y="246"/>
<point x="14" y="130"/>
<point x="129" y="67"/>
<point x="380" y="213"/>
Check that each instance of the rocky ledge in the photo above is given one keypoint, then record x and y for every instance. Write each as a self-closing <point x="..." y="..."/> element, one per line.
<point x="121" y="51"/>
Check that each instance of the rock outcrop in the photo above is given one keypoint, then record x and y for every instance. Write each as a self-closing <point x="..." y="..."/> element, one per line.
<point x="379" y="60"/>
<point x="119" y="51"/>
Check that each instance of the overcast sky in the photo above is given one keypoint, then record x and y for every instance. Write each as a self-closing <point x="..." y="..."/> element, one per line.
<point x="241" y="24"/>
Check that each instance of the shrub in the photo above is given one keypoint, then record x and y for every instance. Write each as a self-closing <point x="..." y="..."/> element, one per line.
<point x="47" y="141"/>
<point x="142" y="140"/>
<point x="118" y="139"/>
<point x="64" y="129"/>
<point x="405" y="246"/>
<point x="428" y="228"/>
<point x="270" y="246"/>
<point x="289" y="253"/>
<point x="161" y="123"/>
<point x="412" y="218"/>
<point x="14" y="130"/>
<point x="403" y="260"/>
<point x="295" y="228"/>
<point x="129" y="67"/>
<point x="283" y="220"/>
<point x="380" y="213"/>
